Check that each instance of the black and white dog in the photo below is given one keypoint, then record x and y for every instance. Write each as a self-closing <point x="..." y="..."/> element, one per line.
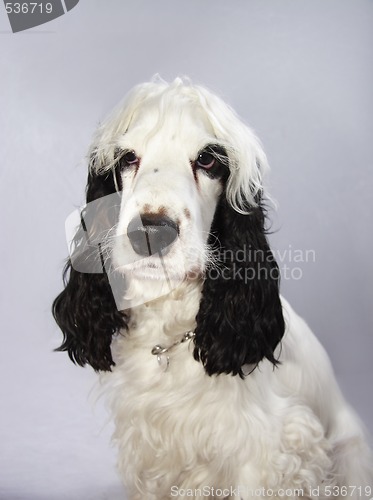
<point x="218" y="388"/>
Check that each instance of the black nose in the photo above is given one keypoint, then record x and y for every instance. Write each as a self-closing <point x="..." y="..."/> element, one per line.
<point x="152" y="233"/>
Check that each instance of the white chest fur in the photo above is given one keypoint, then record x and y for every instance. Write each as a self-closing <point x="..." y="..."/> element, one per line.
<point x="183" y="429"/>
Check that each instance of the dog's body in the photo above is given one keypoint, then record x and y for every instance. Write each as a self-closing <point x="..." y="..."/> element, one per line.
<point x="219" y="389"/>
<point x="195" y="432"/>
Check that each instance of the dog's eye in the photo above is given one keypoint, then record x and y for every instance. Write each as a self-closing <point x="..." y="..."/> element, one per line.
<point x="205" y="160"/>
<point x="127" y="159"/>
<point x="213" y="162"/>
<point x="130" y="158"/>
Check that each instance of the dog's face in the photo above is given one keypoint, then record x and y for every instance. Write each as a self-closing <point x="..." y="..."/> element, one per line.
<point x="171" y="171"/>
<point x="189" y="176"/>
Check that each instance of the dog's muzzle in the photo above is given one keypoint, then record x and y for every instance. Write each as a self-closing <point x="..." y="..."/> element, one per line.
<point x="152" y="234"/>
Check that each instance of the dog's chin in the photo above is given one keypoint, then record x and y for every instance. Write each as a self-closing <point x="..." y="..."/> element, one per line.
<point x="151" y="273"/>
<point x="149" y="279"/>
<point x="145" y="284"/>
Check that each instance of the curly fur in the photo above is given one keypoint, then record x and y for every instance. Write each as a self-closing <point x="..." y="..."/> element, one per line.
<point x="248" y="324"/>
<point x="250" y="405"/>
<point x="86" y="310"/>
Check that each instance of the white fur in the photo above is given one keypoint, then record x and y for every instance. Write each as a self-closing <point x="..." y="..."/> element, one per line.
<point x="280" y="428"/>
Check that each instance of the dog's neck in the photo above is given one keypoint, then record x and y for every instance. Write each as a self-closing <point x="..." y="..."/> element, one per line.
<point x="166" y="319"/>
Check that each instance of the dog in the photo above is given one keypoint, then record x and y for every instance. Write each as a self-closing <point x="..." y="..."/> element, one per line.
<point x="218" y="388"/>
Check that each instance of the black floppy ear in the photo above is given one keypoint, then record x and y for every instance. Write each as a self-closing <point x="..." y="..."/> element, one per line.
<point x="240" y="319"/>
<point x="86" y="311"/>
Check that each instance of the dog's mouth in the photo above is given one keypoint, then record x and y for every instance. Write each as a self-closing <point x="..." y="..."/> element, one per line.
<point x="154" y="268"/>
<point x="155" y="249"/>
<point x="145" y="280"/>
<point x="173" y="268"/>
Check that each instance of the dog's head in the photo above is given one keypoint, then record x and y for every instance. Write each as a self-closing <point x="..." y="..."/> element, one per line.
<point x="183" y="176"/>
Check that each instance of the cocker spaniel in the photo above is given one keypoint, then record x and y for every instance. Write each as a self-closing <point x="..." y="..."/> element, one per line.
<point x="218" y="388"/>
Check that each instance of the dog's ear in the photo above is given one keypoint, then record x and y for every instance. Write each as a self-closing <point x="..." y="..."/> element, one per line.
<point x="240" y="319"/>
<point x="85" y="310"/>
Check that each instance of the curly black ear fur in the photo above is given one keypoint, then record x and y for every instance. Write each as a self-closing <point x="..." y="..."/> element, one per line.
<point x="240" y="319"/>
<point x="86" y="311"/>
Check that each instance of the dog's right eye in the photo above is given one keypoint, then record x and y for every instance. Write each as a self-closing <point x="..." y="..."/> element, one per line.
<point x="126" y="160"/>
<point x="130" y="158"/>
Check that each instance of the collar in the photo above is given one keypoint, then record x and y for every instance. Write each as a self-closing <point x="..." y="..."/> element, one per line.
<point x="162" y="352"/>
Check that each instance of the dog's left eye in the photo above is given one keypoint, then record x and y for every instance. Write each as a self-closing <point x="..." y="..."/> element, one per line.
<point x="205" y="160"/>
<point x="213" y="162"/>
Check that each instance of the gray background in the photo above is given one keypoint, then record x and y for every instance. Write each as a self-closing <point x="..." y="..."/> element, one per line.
<point x="300" y="72"/>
